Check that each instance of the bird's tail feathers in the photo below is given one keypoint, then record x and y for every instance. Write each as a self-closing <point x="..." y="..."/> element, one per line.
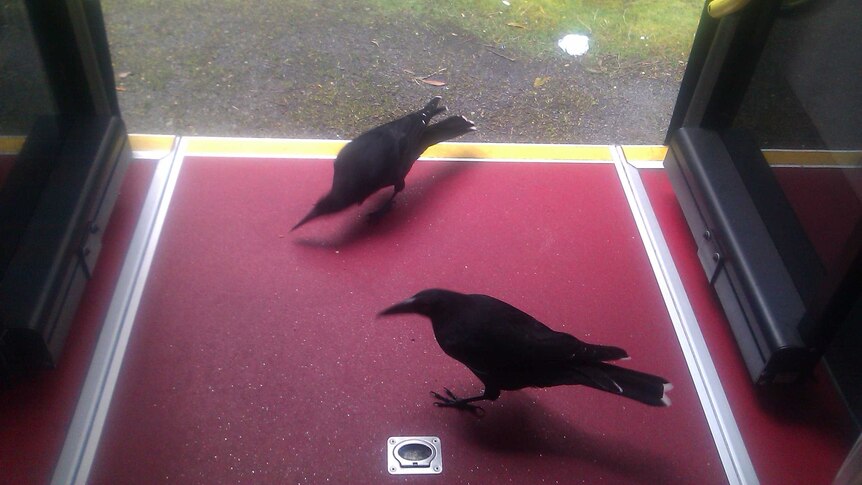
<point x="451" y="127"/>
<point x="599" y="379"/>
<point x="640" y="386"/>
<point x="432" y="109"/>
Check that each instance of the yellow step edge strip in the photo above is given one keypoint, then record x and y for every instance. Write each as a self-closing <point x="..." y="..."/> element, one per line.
<point x="644" y="153"/>
<point x="10" y="145"/>
<point x="227" y="146"/>
<point x="142" y="143"/>
<point x="329" y="148"/>
<point x="829" y="158"/>
<point x="151" y="143"/>
<point x="506" y="151"/>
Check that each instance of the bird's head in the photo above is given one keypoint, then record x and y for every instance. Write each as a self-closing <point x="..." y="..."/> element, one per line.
<point x="429" y="303"/>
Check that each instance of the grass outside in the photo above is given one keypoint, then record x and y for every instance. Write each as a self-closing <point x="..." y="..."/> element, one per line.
<point x="630" y="29"/>
<point x="331" y="69"/>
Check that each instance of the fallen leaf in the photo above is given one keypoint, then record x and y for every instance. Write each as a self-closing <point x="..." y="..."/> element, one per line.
<point x="121" y="88"/>
<point x="433" y="82"/>
<point x="540" y="81"/>
<point x="124" y="74"/>
<point x="516" y="25"/>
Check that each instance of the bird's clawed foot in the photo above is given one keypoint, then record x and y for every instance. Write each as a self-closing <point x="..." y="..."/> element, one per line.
<point x="450" y="400"/>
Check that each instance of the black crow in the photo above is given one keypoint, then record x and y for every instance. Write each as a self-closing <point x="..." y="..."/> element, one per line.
<point x="382" y="157"/>
<point x="508" y="350"/>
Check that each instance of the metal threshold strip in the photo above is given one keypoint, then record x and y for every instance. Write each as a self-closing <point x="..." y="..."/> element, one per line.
<point x="82" y="438"/>
<point x="725" y="432"/>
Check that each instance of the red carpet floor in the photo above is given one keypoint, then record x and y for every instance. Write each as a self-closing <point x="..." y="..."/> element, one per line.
<point x="256" y="356"/>
<point x="794" y="436"/>
<point x="810" y="191"/>
<point x="35" y="412"/>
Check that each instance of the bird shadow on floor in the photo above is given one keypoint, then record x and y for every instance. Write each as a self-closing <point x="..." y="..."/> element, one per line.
<point x="408" y="205"/>
<point x="523" y="426"/>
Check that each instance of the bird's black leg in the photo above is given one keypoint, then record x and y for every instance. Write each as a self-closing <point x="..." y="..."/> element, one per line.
<point x="450" y="400"/>
<point x="387" y="206"/>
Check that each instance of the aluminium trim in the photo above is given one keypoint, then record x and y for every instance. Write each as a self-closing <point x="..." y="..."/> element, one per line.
<point x="725" y="432"/>
<point x="82" y="438"/>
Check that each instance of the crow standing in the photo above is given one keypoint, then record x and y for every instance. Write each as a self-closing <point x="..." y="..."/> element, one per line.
<point x="382" y="157"/>
<point x="509" y="350"/>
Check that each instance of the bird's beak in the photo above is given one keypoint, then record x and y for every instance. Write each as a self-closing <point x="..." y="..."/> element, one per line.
<point x="406" y="306"/>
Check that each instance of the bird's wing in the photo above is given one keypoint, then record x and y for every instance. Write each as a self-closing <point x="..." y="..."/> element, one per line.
<point x="377" y="158"/>
<point x="505" y="338"/>
<point x="364" y="165"/>
<point x="407" y="132"/>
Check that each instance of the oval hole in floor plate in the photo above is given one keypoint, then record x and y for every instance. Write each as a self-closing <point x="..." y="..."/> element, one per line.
<point x="415" y="452"/>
